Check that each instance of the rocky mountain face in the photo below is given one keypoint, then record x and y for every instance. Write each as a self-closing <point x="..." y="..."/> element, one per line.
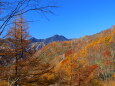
<point x="37" y="44"/>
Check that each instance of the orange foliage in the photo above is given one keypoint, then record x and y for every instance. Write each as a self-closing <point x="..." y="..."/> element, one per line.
<point x="2" y="54"/>
<point x="25" y="68"/>
<point x="64" y="61"/>
<point x="75" y="56"/>
<point x="89" y="72"/>
<point x="68" y="53"/>
<point x="107" y="53"/>
<point x="113" y="29"/>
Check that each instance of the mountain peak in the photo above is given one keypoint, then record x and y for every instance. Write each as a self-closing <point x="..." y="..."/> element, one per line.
<point x="55" y="38"/>
<point x="43" y="42"/>
<point x="57" y="35"/>
<point x="33" y="39"/>
<point x="50" y="39"/>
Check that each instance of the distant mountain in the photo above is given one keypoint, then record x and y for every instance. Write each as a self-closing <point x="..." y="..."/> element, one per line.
<point x="39" y="43"/>
<point x="55" y="38"/>
<point x="33" y="39"/>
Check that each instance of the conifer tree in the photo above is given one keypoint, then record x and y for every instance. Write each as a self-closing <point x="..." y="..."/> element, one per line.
<point x="18" y="39"/>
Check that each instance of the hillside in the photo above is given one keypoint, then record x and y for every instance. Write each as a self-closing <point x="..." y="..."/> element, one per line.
<point x="87" y="61"/>
<point x="96" y="52"/>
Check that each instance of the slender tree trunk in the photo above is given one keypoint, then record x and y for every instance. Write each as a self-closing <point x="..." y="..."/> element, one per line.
<point x="16" y="59"/>
<point x="71" y="74"/>
<point x="16" y="69"/>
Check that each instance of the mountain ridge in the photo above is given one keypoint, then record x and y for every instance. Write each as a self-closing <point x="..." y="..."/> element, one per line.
<point x="53" y="38"/>
<point x="39" y="43"/>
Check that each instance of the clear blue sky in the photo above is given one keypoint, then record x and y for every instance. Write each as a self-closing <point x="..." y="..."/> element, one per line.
<point x="75" y="18"/>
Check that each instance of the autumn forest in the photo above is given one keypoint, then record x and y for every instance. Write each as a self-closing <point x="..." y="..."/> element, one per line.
<point x="55" y="61"/>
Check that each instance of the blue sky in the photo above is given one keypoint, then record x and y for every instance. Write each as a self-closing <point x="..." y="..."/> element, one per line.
<point x="74" y="19"/>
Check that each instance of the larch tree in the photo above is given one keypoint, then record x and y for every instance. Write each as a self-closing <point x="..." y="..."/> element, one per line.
<point x="18" y="41"/>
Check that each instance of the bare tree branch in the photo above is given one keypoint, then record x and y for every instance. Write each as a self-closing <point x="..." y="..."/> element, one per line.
<point x="21" y="7"/>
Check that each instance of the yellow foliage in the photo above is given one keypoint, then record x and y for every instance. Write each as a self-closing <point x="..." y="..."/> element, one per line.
<point x="61" y="64"/>
<point x="75" y="55"/>
<point x="95" y="83"/>
<point x="113" y="76"/>
<point x="3" y="83"/>
<point x="49" y="76"/>
<point x="83" y="52"/>
<point x="107" y="38"/>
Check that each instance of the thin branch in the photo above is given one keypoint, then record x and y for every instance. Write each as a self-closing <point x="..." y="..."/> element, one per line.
<point x="14" y="82"/>
<point x="39" y="9"/>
